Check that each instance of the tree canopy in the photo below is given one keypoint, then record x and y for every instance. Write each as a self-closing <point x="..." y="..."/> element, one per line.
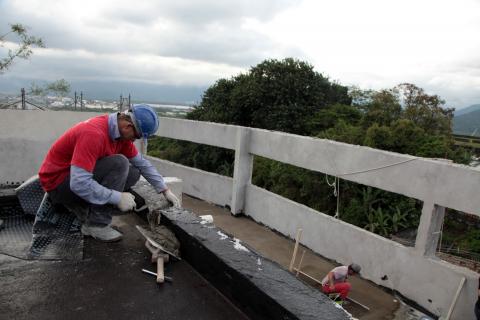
<point x="276" y="94"/>
<point x="59" y="88"/>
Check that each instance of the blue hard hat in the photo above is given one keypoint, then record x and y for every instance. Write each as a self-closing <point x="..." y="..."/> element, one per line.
<point x="144" y="119"/>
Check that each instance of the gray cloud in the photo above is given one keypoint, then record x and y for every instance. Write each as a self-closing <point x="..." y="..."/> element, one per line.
<point x="202" y="30"/>
<point x="194" y="43"/>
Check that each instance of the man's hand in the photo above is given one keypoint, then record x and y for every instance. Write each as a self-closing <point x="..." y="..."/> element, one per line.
<point x="172" y="198"/>
<point x="127" y="202"/>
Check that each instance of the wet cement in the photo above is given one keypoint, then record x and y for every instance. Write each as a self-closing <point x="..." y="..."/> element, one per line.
<point x="278" y="248"/>
<point x="108" y="284"/>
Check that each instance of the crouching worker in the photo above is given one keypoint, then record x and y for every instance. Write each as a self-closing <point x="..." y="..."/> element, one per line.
<point x="336" y="280"/>
<point x="92" y="165"/>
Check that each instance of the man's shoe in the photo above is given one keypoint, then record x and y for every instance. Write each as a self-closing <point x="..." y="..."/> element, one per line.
<point x="105" y="234"/>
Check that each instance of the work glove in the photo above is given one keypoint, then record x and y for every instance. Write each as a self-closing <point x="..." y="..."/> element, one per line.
<point x="127" y="201"/>
<point x="172" y="198"/>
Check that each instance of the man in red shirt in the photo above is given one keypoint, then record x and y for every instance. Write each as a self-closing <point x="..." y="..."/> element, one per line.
<point x="90" y="167"/>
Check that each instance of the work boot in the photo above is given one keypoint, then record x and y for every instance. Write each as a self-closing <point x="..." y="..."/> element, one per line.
<point x="105" y="234"/>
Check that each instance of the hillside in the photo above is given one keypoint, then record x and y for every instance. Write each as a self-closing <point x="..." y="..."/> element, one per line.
<point x="467" y="123"/>
<point x="474" y="107"/>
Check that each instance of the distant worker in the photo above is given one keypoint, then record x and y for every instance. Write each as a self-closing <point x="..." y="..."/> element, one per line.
<point x="336" y="280"/>
<point x="92" y="165"/>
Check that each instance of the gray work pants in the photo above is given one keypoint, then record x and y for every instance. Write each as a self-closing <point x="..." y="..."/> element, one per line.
<point x="113" y="172"/>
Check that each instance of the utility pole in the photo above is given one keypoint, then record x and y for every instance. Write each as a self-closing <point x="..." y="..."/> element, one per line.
<point x="75" y="100"/>
<point x="81" y="100"/>
<point x="23" y="99"/>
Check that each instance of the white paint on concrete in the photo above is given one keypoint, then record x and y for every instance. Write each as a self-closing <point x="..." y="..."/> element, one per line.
<point x="222" y="235"/>
<point x="238" y="246"/>
<point x="208" y="218"/>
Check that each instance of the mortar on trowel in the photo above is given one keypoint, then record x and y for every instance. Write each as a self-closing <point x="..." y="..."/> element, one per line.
<point x="161" y="243"/>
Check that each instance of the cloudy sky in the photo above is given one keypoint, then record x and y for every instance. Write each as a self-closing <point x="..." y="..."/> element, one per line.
<point x="175" y="49"/>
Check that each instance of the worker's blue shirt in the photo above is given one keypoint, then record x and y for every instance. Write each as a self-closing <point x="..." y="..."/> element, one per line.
<point x="83" y="184"/>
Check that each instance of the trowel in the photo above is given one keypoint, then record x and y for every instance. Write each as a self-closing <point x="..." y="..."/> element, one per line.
<point x="146" y="234"/>
<point x="159" y="254"/>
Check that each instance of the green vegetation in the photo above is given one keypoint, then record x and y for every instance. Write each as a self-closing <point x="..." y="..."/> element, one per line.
<point x="59" y="88"/>
<point x="289" y="96"/>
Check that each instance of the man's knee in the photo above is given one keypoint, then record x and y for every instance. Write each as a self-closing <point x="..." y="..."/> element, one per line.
<point x="118" y="161"/>
<point x="133" y="177"/>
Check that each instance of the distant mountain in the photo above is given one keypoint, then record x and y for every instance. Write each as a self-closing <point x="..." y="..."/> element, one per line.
<point x="466" y="110"/>
<point x="468" y="123"/>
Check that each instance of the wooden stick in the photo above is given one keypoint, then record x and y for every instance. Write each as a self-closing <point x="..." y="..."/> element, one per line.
<point x="297" y="240"/>
<point x="160" y="278"/>
<point x="460" y="286"/>
<point x="300" y="263"/>
<point x="356" y="302"/>
<point x="308" y="276"/>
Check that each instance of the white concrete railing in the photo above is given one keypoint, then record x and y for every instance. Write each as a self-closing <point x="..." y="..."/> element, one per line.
<point x="415" y="272"/>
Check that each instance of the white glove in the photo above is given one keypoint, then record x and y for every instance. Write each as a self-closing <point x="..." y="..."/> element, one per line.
<point x="127" y="202"/>
<point x="172" y="198"/>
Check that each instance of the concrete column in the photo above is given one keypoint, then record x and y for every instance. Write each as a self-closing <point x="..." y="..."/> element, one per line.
<point x="242" y="172"/>
<point x="428" y="232"/>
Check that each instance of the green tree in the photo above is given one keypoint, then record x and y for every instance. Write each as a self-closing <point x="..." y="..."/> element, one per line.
<point x="379" y="137"/>
<point x="344" y="132"/>
<point x="275" y="95"/>
<point x="426" y="111"/>
<point x="23" y="48"/>
<point x="330" y="116"/>
<point x="36" y="90"/>
<point x="383" y="108"/>
<point x="59" y="87"/>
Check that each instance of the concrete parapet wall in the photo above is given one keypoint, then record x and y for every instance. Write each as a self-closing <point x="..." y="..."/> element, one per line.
<point x="26" y="136"/>
<point x="201" y="184"/>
